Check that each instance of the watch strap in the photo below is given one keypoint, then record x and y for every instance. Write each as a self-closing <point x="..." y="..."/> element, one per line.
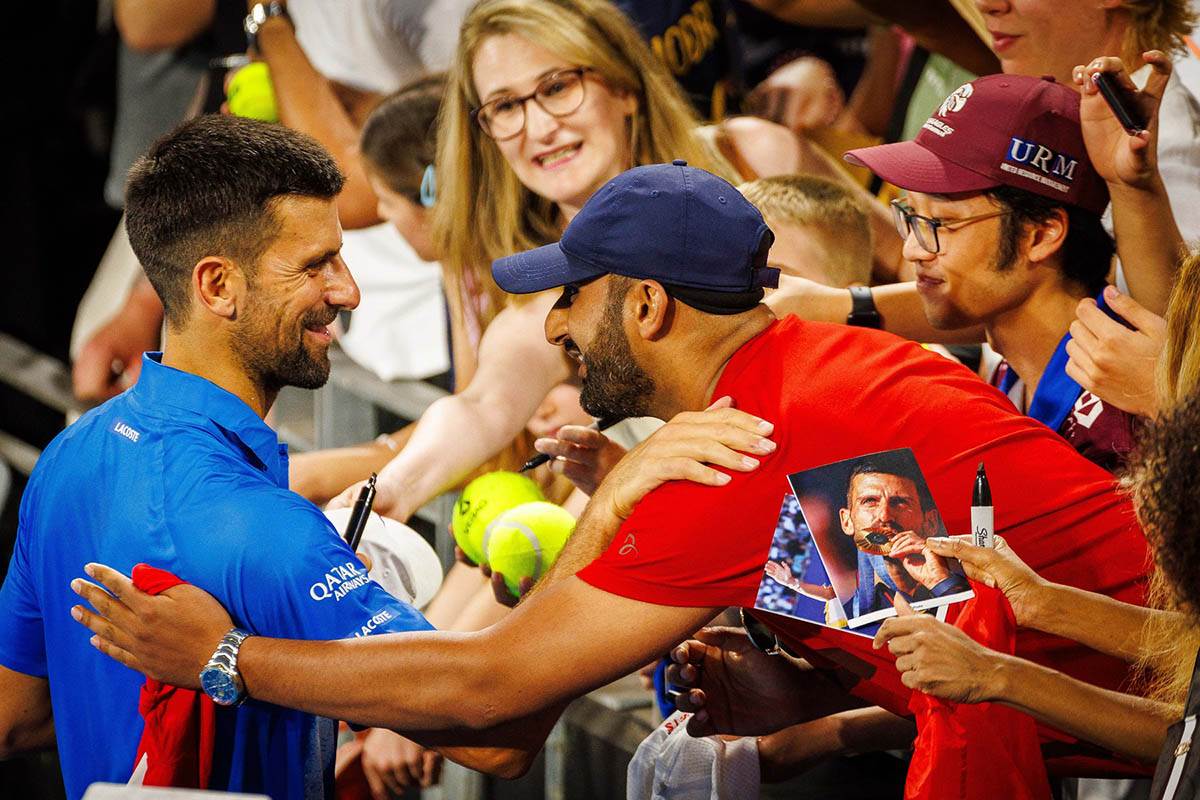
<point x="225" y="658"/>
<point x="862" y="308"/>
<point x="258" y="15"/>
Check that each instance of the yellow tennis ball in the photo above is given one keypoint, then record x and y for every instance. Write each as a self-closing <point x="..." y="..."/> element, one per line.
<point x="525" y="541"/>
<point x="250" y="93"/>
<point x="484" y="499"/>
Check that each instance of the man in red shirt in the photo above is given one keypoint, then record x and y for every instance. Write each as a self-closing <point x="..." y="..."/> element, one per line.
<point x="663" y="271"/>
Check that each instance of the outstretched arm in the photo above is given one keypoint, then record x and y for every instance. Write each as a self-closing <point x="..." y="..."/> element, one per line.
<point x="941" y="660"/>
<point x="899" y="307"/>
<point x="1092" y="619"/>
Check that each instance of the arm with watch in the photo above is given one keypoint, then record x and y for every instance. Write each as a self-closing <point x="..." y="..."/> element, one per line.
<point x="309" y="102"/>
<point x="895" y="308"/>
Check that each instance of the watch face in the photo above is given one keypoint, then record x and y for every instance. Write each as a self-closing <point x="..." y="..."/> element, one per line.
<point x="219" y="685"/>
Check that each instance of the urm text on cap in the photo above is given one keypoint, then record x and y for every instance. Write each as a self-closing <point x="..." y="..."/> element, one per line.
<point x="676" y="224"/>
<point x="999" y="130"/>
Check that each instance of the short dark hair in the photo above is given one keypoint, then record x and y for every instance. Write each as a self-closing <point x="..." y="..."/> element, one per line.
<point x="1088" y="250"/>
<point x="206" y="188"/>
<point x="399" y="139"/>
<point x="901" y="465"/>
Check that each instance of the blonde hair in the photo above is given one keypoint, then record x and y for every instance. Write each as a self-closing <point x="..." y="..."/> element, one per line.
<point x="1169" y="643"/>
<point x="1179" y="365"/>
<point x="824" y="206"/>
<point x="483" y="211"/>
<point x="1156" y="25"/>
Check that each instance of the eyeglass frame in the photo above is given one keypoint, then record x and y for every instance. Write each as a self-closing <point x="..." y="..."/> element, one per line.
<point x="522" y="100"/>
<point x="903" y="216"/>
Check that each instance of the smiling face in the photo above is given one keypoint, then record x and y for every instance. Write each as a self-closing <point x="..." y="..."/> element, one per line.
<point x="971" y="280"/>
<point x="588" y="322"/>
<point x="880" y="507"/>
<point x="563" y="159"/>
<point x="294" y="294"/>
<point x="1044" y="37"/>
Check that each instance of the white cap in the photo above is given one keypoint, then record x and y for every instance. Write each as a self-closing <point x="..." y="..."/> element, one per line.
<point x="402" y="562"/>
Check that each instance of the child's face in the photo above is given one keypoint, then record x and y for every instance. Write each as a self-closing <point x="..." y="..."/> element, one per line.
<point x="561" y="407"/>
<point x="412" y="220"/>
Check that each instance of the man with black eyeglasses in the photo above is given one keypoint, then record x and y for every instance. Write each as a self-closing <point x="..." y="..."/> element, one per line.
<point x="1002" y="222"/>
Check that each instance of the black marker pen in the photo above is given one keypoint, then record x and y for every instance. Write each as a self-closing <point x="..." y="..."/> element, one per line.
<point x="982" y="517"/>
<point x="361" y="513"/>
<point x="602" y="424"/>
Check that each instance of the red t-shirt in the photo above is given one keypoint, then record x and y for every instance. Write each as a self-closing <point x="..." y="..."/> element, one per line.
<point x="837" y="392"/>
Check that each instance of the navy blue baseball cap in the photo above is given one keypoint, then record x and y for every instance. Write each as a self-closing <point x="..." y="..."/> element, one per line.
<point x="679" y="225"/>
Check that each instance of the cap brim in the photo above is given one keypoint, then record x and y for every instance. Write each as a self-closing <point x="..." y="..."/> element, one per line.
<point x="910" y="166"/>
<point x="542" y="268"/>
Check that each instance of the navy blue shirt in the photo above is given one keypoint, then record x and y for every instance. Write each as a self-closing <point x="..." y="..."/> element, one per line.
<point x="182" y="475"/>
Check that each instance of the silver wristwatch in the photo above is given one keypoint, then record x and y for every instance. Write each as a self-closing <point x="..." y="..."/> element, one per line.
<point x="220" y="678"/>
<point x="257" y="16"/>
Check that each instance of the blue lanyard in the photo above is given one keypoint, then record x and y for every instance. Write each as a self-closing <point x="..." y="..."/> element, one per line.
<point x="1056" y="392"/>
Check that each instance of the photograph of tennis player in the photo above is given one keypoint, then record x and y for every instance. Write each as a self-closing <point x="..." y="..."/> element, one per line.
<point x="794" y="582"/>
<point x="869" y="518"/>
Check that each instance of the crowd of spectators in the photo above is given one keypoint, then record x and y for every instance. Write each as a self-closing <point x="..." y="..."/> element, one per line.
<point x="948" y="172"/>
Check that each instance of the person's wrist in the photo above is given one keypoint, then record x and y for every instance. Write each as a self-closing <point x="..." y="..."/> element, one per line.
<point x="274" y="29"/>
<point x="1039" y="606"/>
<point x="1151" y="184"/>
<point x="1004" y="677"/>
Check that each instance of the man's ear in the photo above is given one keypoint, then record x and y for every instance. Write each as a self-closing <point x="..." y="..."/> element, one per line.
<point x="1045" y="239"/>
<point x="652" y="309"/>
<point x="219" y="285"/>
<point x="931" y="520"/>
<point x="847" y="523"/>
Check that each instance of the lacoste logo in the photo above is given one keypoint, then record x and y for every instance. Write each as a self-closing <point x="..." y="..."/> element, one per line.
<point x="126" y="431"/>
<point x="956" y="100"/>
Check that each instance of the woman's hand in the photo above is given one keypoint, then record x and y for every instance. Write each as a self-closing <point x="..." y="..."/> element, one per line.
<point x="999" y="568"/>
<point x="1113" y="362"/>
<point x="939" y="659"/>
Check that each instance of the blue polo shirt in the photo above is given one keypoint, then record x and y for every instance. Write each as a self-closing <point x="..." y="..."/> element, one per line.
<point x="182" y="475"/>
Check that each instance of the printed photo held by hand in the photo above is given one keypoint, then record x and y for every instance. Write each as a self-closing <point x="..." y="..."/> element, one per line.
<point x="869" y="519"/>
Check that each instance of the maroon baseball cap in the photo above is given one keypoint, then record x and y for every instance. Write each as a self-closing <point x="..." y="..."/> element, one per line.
<point x="998" y="130"/>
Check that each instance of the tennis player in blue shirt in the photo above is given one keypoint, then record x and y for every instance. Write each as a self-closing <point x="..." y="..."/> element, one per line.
<point x="235" y="224"/>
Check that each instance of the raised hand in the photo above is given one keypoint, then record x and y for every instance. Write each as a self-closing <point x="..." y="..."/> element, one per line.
<point x="1113" y="362"/>
<point x="1120" y="157"/>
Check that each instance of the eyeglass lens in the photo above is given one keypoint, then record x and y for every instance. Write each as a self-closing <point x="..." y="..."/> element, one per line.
<point x="558" y="95"/>
<point x="924" y="229"/>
